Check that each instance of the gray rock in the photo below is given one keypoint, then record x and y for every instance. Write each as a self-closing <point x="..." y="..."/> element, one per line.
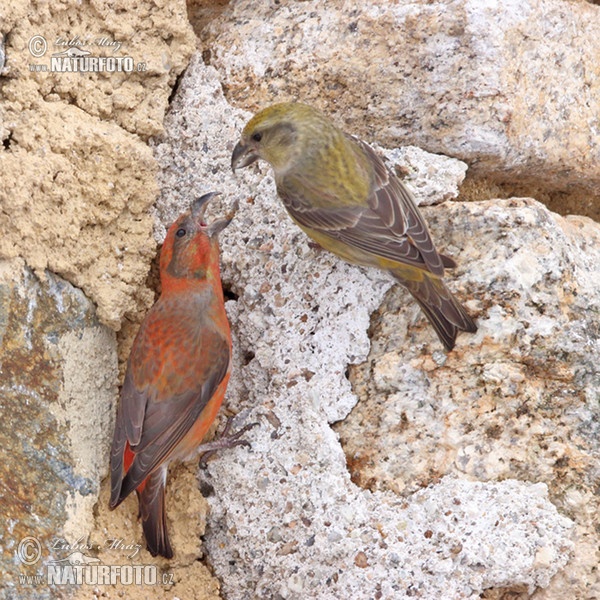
<point x="508" y="87"/>
<point x="518" y="400"/>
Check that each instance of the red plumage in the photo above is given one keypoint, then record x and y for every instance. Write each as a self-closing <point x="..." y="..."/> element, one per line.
<point x="177" y="372"/>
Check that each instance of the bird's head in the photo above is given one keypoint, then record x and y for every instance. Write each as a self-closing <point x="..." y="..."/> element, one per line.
<point x="278" y="134"/>
<point x="191" y="247"/>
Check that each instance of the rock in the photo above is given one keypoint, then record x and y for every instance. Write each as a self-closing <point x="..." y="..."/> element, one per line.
<point x="59" y="383"/>
<point x="432" y="178"/>
<point x="158" y="40"/>
<point x="286" y="520"/>
<point x="519" y="399"/>
<point x="472" y="80"/>
<point x="77" y="177"/>
<point x="477" y="476"/>
<point x="80" y="191"/>
<point x="77" y="182"/>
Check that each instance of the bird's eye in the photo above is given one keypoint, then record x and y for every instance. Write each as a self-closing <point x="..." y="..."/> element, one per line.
<point x="257" y="136"/>
<point x="180" y="232"/>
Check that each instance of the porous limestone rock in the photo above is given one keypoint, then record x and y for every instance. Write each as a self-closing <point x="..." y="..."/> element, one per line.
<point x="77" y="177"/>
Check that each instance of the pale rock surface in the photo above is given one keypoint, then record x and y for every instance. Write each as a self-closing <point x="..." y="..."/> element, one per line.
<point x="432" y="179"/>
<point x="520" y="399"/>
<point x="286" y="521"/>
<point x="512" y="88"/>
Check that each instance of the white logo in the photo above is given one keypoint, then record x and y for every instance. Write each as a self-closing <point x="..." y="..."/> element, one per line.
<point x="29" y="550"/>
<point x="38" y="46"/>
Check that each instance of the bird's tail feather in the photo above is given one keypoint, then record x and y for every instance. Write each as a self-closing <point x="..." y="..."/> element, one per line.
<point x="151" y="496"/>
<point x="445" y="313"/>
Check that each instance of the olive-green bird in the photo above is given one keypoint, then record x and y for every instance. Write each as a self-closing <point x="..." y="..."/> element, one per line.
<point x="339" y="191"/>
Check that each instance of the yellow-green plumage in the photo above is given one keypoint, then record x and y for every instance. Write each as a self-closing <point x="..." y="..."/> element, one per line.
<point x="338" y="190"/>
<point x="339" y="174"/>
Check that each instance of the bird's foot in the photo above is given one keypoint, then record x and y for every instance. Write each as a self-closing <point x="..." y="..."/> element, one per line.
<point x="225" y="440"/>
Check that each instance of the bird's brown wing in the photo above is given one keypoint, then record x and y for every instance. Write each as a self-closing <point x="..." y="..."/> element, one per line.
<point x="388" y="226"/>
<point x="395" y="205"/>
<point x="164" y="394"/>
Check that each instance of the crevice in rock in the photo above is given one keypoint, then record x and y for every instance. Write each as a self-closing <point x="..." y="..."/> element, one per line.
<point x="571" y="201"/>
<point x="202" y="12"/>
<point x="518" y="592"/>
<point x="248" y="357"/>
<point x="131" y="320"/>
<point x="175" y="88"/>
<point x="229" y="293"/>
<point x="6" y="142"/>
<point x="153" y="278"/>
<point x="359" y="377"/>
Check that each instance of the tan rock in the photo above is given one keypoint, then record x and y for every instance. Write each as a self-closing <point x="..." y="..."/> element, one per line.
<point x="77" y="183"/>
<point x="75" y="193"/>
<point x="77" y="179"/>
<point x="158" y="39"/>
<point x="510" y="88"/>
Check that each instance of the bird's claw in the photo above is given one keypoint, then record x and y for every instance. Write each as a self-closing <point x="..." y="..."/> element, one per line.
<point x="225" y="440"/>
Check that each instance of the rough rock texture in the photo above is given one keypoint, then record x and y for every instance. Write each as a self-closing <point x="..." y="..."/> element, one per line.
<point x="184" y="577"/>
<point x="156" y="35"/>
<point x="78" y="192"/>
<point x="286" y="521"/>
<point x="458" y="473"/>
<point x="77" y="176"/>
<point x="520" y="399"/>
<point x="77" y="179"/>
<point x="470" y="79"/>
<point x="59" y="367"/>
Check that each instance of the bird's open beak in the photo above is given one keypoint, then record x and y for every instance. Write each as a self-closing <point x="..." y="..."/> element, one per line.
<point x="242" y="156"/>
<point x="199" y="205"/>
<point x="217" y="226"/>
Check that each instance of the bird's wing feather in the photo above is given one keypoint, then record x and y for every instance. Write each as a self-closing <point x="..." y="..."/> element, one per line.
<point x="171" y="391"/>
<point x="394" y="203"/>
<point x="389" y="225"/>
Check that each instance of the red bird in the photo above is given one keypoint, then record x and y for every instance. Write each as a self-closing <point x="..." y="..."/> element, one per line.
<point x="176" y="375"/>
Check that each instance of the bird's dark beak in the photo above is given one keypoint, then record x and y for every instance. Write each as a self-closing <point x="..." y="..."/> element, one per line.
<point x="242" y="156"/>
<point x="199" y="205"/>
<point x="217" y="226"/>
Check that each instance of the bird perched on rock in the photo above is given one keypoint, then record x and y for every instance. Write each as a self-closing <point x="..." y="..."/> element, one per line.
<point x="339" y="191"/>
<point x="177" y="373"/>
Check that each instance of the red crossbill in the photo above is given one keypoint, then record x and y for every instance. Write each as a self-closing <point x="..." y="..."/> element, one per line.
<point x="176" y="375"/>
<point x="339" y="191"/>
